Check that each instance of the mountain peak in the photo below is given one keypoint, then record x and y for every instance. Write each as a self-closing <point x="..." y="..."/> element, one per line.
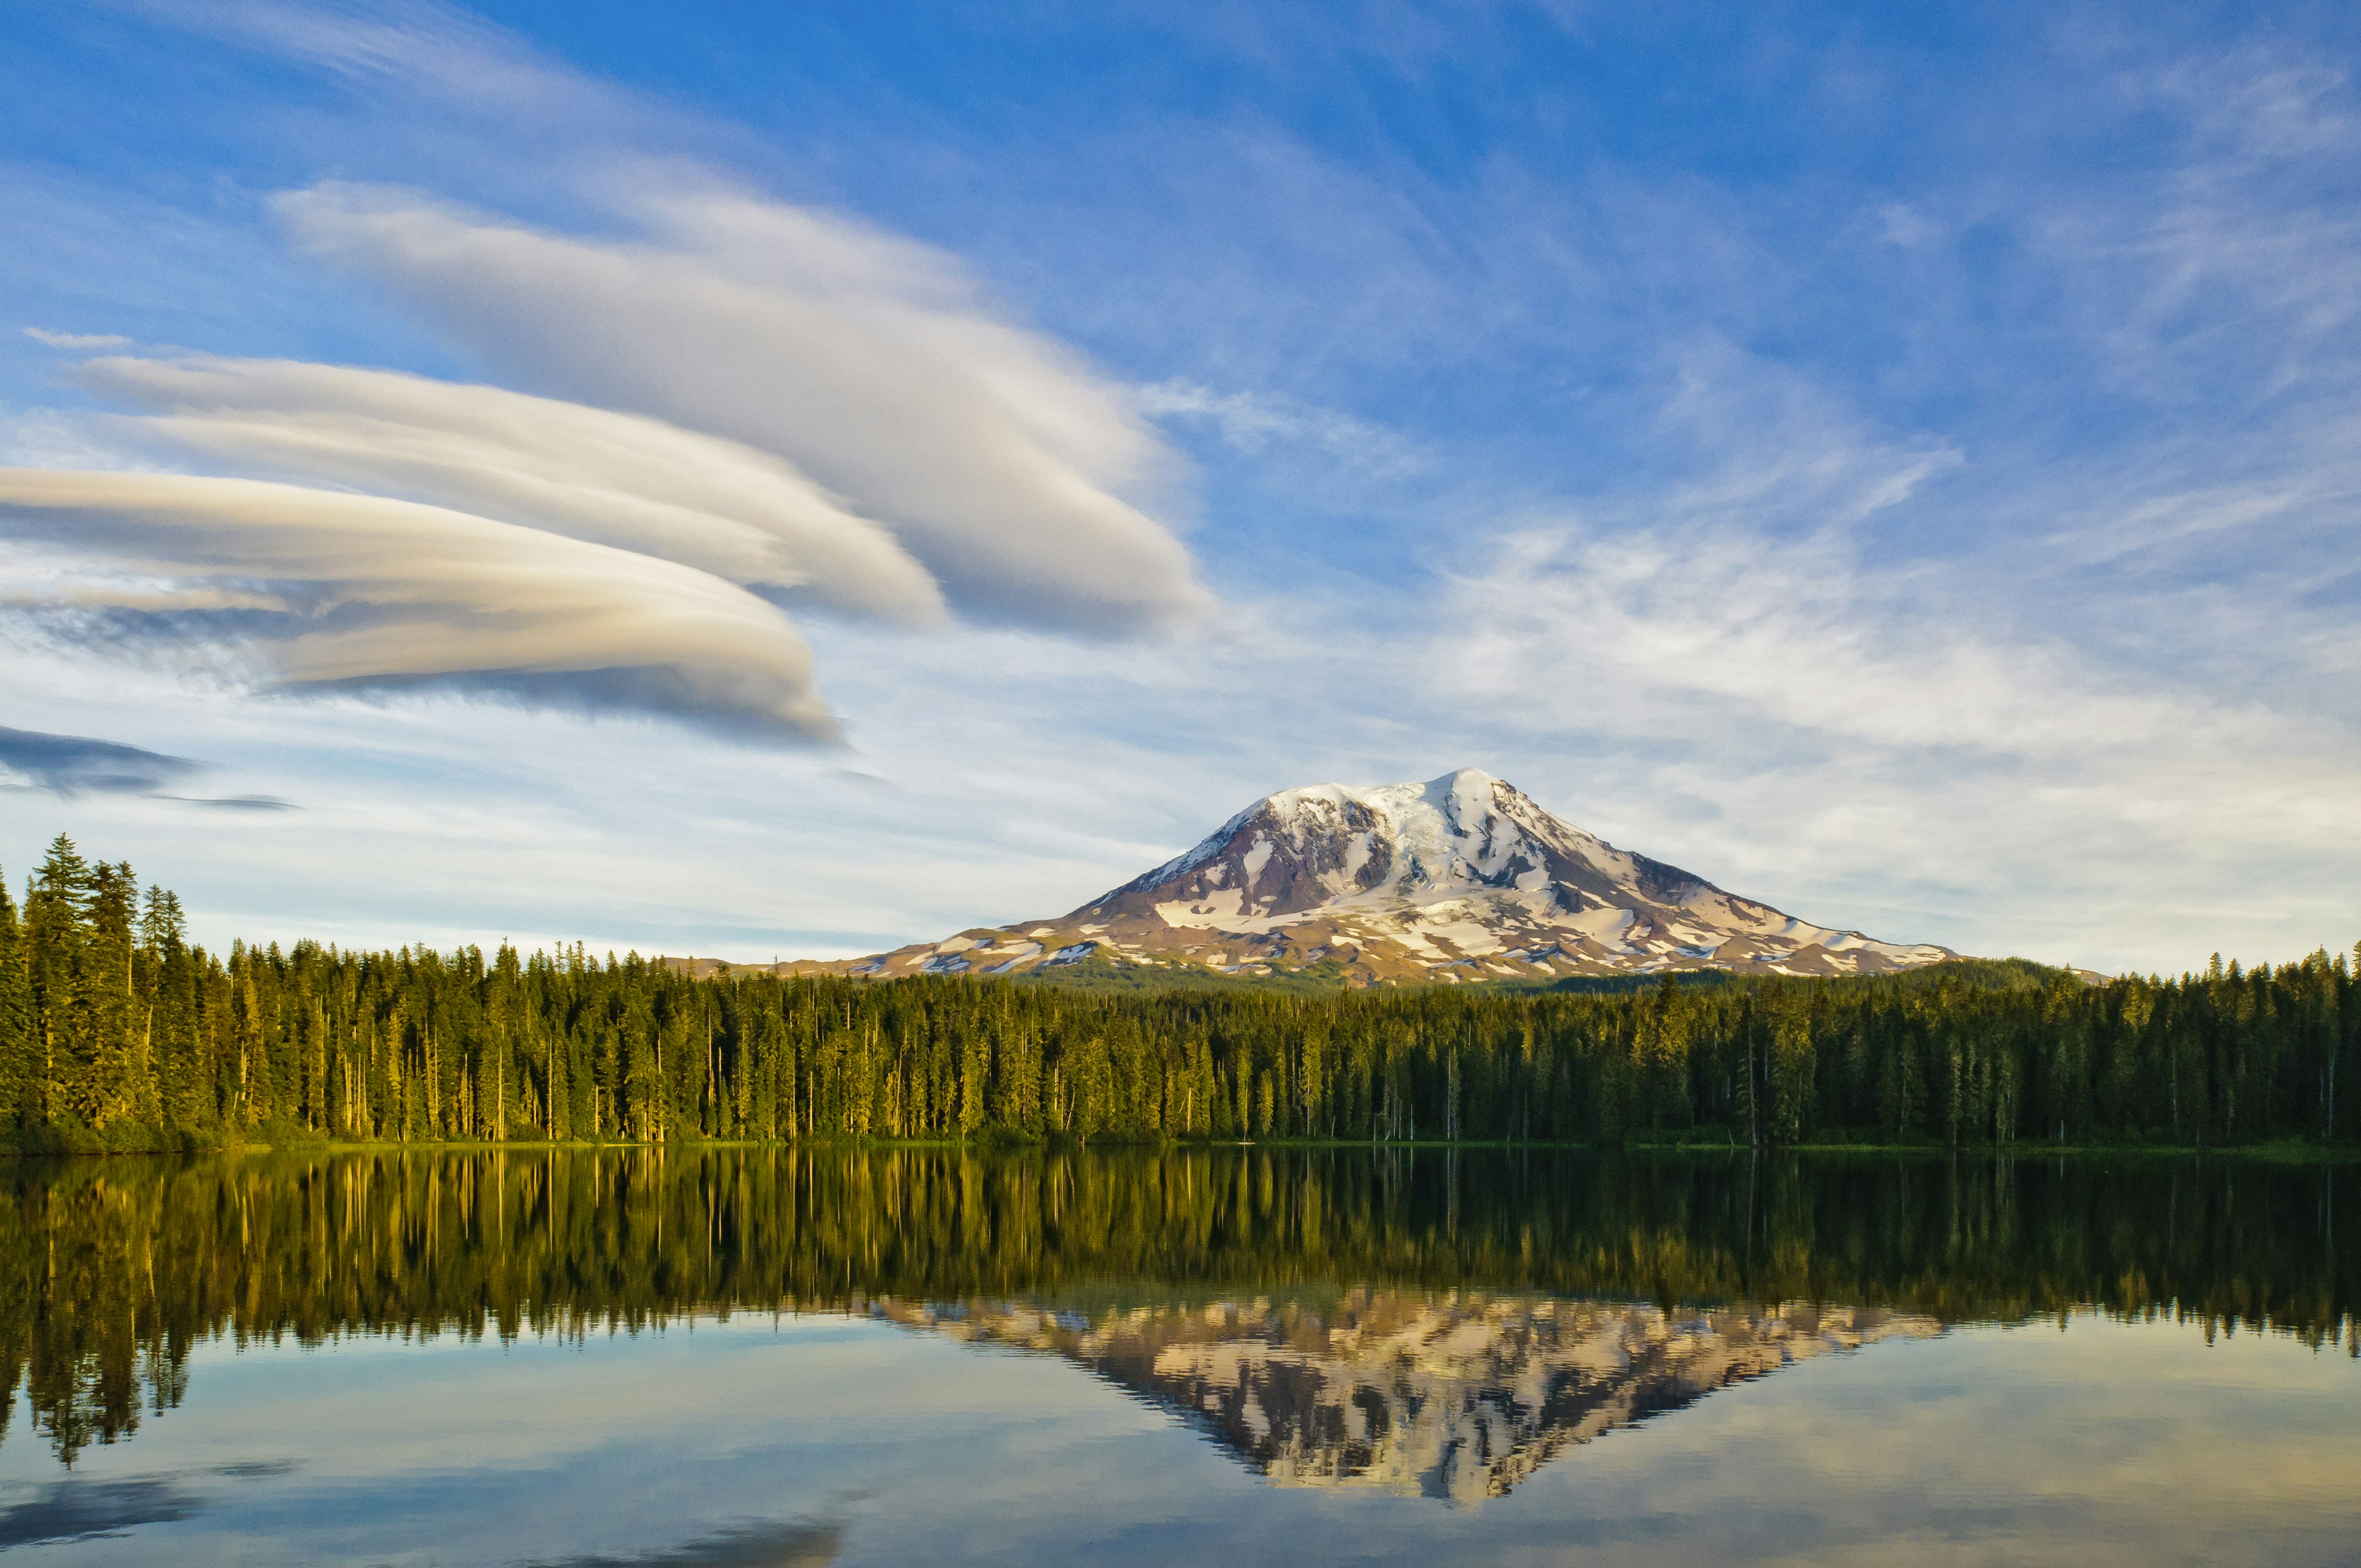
<point x="1462" y="877"/>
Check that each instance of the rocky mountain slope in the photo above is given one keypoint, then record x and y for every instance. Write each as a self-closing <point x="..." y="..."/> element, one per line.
<point x="1459" y="879"/>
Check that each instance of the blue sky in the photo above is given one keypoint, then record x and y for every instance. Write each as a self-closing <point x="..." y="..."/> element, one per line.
<point x="1897" y="462"/>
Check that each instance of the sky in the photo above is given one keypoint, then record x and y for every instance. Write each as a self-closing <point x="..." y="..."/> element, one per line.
<point x="768" y="481"/>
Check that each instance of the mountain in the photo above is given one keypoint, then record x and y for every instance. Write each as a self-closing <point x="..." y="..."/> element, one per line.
<point x="1457" y="1395"/>
<point x="1462" y="878"/>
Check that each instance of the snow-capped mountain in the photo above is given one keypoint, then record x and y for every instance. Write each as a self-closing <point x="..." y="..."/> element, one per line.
<point x="1462" y="878"/>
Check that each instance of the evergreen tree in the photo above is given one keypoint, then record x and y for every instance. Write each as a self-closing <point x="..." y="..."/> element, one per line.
<point x="17" y="1061"/>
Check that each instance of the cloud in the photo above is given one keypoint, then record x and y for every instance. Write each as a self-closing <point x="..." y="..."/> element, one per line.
<point x="1884" y="722"/>
<point x="1900" y="224"/>
<point x="1800" y="636"/>
<point x="71" y="765"/>
<point x="990" y="453"/>
<point x="320" y="590"/>
<point x="1254" y="420"/>
<point x="77" y="339"/>
<point x="619" y="479"/>
<point x="2219" y="280"/>
<point x="238" y="803"/>
<point x="436" y="46"/>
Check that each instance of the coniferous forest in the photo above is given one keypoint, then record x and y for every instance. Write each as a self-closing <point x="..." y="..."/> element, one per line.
<point x="116" y="1033"/>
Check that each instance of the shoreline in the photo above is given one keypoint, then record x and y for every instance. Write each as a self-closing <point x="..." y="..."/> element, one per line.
<point x="2282" y="1151"/>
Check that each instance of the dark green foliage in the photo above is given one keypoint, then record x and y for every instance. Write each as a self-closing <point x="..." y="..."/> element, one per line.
<point x="114" y="1034"/>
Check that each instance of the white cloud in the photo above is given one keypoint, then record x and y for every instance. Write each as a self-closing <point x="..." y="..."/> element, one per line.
<point x="318" y="589"/>
<point x="1898" y="223"/>
<point x="992" y="454"/>
<point x="76" y="339"/>
<point x="1254" y="420"/>
<point x="417" y="41"/>
<point x="1871" y="727"/>
<point x="1751" y="635"/>
<point x="2221" y="276"/>
<point x="617" y="480"/>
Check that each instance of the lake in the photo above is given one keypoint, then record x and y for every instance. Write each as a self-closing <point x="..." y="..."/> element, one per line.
<point x="796" y="1355"/>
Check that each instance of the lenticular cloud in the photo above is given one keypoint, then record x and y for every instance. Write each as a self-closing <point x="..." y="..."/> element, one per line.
<point x="753" y="406"/>
<point x="989" y="454"/>
<point x="620" y="479"/>
<point x="324" y="589"/>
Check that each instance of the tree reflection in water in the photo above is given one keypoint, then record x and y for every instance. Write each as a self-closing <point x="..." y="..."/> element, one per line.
<point x="1437" y="1321"/>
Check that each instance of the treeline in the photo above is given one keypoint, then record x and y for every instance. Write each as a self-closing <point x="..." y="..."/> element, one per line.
<point x="116" y="1033"/>
<point x="113" y="1272"/>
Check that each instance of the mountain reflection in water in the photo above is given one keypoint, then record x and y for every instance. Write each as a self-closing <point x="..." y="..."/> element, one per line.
<point x="1471" y="1325"/>
<point x="1453" y="1395"/>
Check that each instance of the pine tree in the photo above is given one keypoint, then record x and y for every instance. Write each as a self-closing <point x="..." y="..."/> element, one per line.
<point x="17" y="1049"/>
<point x="57" y="949"/>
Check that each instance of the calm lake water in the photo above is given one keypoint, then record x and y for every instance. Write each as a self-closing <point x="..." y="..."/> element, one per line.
<point x="775" y="1357"/>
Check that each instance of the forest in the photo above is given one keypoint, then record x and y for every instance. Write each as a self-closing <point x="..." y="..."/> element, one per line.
<point x="117" y="1034"/>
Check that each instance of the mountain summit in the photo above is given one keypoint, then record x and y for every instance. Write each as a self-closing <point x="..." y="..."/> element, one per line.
<point x="1461" y="878"/>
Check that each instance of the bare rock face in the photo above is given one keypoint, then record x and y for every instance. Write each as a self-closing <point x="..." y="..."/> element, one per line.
<point x="1458" y="879"/>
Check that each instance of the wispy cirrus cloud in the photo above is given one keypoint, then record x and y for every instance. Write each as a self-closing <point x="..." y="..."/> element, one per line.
<point x="76" y="340"/>
<point x="420" y="43"/>
<point x="1253" y="421"/>
<point x="1786" y="644"/>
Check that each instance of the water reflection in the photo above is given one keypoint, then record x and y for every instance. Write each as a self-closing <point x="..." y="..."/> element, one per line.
<point x="1474" y="1316"/>
<point x="76" y="1510"/>
<point x="82" y="1508"/>
<point x="793" y="1544"/>
<point x="1454" y="1396"/>
<point x="793" y="1357"/>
